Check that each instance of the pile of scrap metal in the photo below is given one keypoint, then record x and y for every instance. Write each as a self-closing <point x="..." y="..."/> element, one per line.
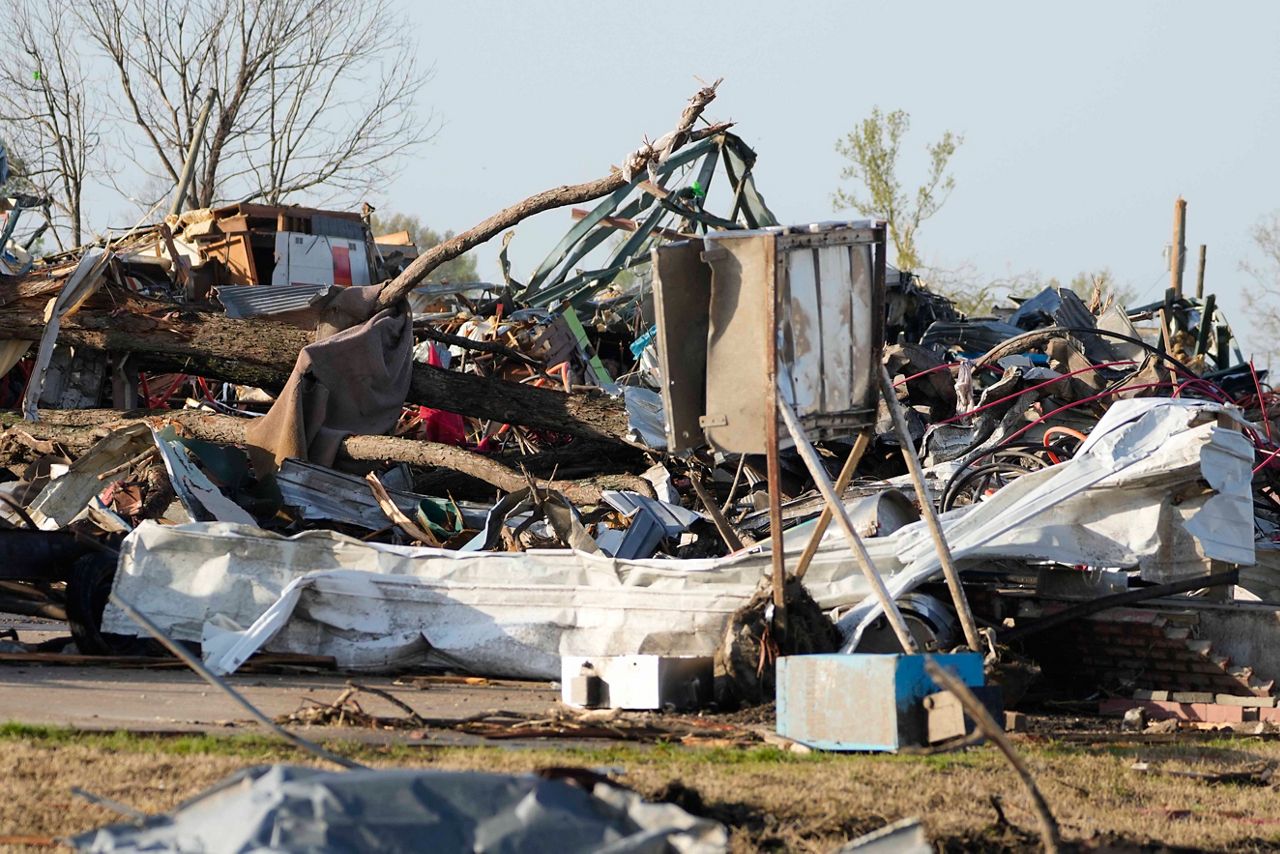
<point x="496" y="477"/>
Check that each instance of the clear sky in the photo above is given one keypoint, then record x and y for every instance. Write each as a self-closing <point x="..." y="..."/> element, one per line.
<point x="1082" y="121"/>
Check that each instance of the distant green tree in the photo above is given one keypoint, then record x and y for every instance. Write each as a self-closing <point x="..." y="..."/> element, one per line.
<point x="460" y="269"/>
<point x="872" y="151"/>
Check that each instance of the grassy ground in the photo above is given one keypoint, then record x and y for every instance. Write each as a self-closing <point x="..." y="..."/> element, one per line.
<point x="771" y="798"/>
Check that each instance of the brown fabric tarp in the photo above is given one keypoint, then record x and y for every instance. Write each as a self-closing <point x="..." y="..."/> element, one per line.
<point x="352" y="380"/>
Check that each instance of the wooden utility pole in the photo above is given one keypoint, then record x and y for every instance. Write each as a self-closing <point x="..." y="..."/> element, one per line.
<point x="1200" y="274"/>
<point x="1177" y="257"/>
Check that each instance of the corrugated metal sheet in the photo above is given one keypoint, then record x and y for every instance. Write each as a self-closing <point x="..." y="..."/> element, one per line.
<point x="248" y="301"/>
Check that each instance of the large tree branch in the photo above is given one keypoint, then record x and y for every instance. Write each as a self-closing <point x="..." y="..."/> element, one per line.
<point x="640" y="160"/>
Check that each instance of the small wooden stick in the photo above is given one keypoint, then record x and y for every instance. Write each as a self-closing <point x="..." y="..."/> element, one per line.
<point x="722" y="524"/>
<point x="395" y="514"/>
<point x="982" y="720"/>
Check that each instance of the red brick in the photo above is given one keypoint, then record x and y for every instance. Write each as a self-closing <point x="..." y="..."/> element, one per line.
<point x="1269" y="715"/>
<point x="1218" y="713"/>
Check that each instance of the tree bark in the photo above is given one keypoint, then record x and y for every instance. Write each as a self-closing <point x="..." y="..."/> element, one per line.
<point x="78" y="429"/>
<point x="262" y="353"/>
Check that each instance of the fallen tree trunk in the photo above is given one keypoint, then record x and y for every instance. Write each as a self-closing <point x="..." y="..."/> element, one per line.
<point x="78" y="429"/>
<point x="261" y="353"/>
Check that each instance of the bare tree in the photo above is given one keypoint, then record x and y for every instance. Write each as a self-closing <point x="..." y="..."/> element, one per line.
<point x="1264" y="301"/>
<point x="313" y="96"/>
<point x="43" y="114"/>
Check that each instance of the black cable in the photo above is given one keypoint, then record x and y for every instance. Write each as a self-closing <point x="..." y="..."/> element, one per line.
<point x="1106" y="333"/>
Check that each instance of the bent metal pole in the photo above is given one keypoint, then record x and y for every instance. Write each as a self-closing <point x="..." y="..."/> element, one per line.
<point x="958" y="598"/>
<point x="820" y="477"/>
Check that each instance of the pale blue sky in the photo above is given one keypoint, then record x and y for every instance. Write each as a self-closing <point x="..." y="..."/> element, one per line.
<point x="1082" y="122"/>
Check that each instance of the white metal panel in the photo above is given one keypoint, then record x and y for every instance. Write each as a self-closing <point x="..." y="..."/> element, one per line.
<point x="801" y="322"/>
<point x="836" y="299"/>
<point x="863" y="325"/>
<point x="307" y="259"/>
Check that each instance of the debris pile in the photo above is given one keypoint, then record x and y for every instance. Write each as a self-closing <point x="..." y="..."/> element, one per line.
<point x="266" y="429"/>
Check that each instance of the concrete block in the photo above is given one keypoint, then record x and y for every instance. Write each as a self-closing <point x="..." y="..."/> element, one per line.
<point x="1015" y="722"/>
<point x="638" y="681"/>
<point x="861" y="702"/>
<point x="1143" y="694"/>
<point x="1191" y="697"/>
<point x="1247" y="702"/>
<point x="945" y="718"/>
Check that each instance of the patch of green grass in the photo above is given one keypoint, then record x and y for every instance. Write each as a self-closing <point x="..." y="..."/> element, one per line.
<point x="240" y="745"/>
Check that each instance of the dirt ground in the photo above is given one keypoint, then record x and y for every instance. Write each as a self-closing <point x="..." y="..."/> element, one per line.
<point x="772" y="798"/>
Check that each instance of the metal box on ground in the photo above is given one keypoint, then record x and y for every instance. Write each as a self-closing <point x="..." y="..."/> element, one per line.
<point x="861" y="702"/>
<point x="635" y="681"/>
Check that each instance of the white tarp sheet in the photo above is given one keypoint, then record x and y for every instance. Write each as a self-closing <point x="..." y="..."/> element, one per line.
<point x="1133" y="496"/>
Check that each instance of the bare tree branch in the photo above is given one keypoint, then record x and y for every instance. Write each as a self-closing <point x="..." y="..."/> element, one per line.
<point x="43" y="114"/>
<point x="636" y="163"/>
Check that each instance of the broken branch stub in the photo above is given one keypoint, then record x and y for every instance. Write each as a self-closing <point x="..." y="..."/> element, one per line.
<point x="638" y="161"/>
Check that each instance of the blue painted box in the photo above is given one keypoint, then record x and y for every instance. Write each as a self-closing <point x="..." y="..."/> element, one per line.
<point x="861" y="702"/>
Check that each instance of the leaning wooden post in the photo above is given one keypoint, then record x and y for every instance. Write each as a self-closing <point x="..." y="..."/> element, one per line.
<point x="1177" y="256"/>
<point x="981" y="718"/>
<point x="1200" y="273"/>
<point x="958" y="598"/>
<point x="777" y="551"/>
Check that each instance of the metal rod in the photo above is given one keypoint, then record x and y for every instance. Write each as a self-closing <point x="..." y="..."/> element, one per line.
<point x="134" y="815"/>
<point x="819" y="475"/>
<point x="860" y="445"/>
<point x="207" y="675"/>
<point x="189" y="166"/>
<point x="958" y="598"/>
<point x="1206" y="324"/>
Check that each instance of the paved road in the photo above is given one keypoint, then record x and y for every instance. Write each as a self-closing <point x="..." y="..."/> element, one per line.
<point x="170" y="700"/>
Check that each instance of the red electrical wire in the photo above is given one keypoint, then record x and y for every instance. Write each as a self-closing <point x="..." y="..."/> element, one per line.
<point x="1264" y="463"/>
<point x="1021" y="392"/>
<point x="1075" y="403"/>
<point x="1219" y="395"/>
<point x="1262" y="403"/>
